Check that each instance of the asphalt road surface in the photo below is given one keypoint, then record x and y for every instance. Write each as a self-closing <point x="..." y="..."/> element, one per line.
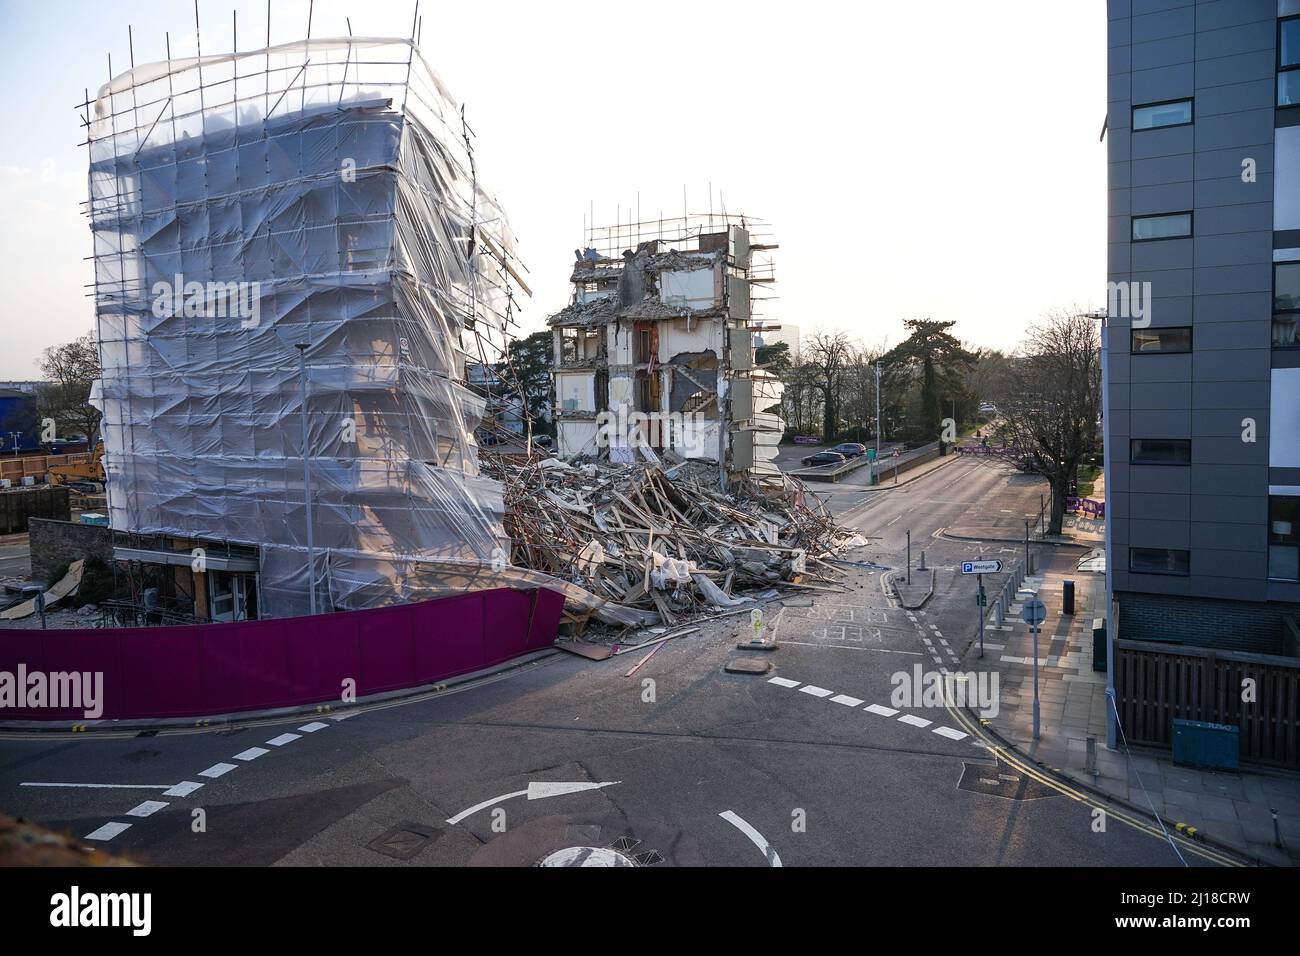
<point x="565" y="760"/>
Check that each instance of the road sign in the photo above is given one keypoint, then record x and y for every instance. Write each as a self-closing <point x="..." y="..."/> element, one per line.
<point x="981" y="567"/>
<point x="1035" y="612"/>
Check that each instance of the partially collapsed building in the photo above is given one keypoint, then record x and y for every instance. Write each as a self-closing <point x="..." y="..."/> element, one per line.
<point x="658" y="341"/>
<point x="317" y="197"/>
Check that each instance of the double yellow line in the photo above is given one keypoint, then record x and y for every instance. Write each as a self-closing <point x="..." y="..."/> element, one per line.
<point x="1011" y="758"/>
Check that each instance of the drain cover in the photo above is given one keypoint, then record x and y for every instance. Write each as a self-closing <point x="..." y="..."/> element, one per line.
<point x="587" y="856"/>
<point x="404" y="841"/>
<point x="1002" y="781"/>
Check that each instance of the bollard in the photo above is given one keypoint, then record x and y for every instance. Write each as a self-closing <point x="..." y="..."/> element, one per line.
<point x="1067" y="597"/>
<point x="997" y="614"/>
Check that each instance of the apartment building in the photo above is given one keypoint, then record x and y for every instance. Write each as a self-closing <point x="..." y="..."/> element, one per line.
<point x="1203" y="360"/>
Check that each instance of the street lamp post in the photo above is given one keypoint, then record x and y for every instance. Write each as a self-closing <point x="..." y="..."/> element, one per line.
<point x="306" y="475"/>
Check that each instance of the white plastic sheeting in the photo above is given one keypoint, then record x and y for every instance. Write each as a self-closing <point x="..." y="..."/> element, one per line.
<point x="320" y="192"/>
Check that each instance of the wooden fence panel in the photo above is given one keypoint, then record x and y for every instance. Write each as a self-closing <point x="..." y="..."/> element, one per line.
<point x="1156" y="684"/>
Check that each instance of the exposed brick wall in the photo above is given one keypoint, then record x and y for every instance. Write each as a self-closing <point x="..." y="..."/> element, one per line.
<point x="1203" y="622"/>
<point x="58" y="543"/>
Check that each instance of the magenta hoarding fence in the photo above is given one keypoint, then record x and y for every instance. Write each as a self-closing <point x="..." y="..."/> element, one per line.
<point x="210" y="669"/>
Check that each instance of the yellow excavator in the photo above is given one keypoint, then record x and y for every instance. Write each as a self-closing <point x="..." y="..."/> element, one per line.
<point x="81" y="474"/>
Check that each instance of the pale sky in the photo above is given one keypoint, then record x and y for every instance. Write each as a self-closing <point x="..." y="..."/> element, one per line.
<point x="938" y="158"/>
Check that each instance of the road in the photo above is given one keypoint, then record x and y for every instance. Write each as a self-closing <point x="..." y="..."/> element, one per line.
<point x="679" y="765"/>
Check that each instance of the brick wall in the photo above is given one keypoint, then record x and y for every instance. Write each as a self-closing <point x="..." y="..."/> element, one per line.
<point x="1203" y="622"/>
<point x="58" y="543"/>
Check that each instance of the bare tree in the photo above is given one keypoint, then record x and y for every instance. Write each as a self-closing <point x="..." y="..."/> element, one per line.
<point x="70" y="371"/>
<point x="1049" y="404"/>
<point x="825" y="354"/>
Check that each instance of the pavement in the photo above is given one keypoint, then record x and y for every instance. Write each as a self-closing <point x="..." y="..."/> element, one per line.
<point x="1226" y="809"/>
<point x="836" y="756"/>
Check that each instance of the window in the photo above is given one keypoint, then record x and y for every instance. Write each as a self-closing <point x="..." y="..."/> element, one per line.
<point x="1288" y="62"/>
<point x="1156" y="115"/>
<point x="1149" y="341"/>
<point x="1284" y="538"/>
<point x="1160" y="451"/>
<point x="1286" y="302"/>
<point x="1172" y="226"/>
<point x="1159" y="561"/>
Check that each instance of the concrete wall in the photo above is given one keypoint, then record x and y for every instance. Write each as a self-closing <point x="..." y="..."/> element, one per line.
<point x="56" y="544"/>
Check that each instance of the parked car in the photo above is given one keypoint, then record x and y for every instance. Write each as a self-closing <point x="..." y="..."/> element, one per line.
<point x="824" y="458"/>
<point x="850" y="449"/>
<point x="988" y="408"/>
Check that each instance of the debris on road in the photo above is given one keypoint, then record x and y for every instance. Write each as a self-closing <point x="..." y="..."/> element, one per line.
<point x="663" y="539"/>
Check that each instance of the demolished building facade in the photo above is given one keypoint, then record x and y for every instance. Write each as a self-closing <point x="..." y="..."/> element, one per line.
<point x="656" y="347"/>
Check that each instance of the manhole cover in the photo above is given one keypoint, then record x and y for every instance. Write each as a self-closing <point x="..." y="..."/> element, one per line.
<point x="1002" y="781"/>
<point x="404" y="841"/>
<point x="587" y="856"/>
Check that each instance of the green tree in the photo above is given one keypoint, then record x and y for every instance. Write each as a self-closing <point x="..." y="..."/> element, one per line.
<point x="932" y="358"/>
<point x="528" y="370"/>
<point x="70" y="371"/>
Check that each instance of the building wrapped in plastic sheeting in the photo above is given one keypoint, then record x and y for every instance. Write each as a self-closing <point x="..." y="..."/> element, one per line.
<point x="323" y="193"/>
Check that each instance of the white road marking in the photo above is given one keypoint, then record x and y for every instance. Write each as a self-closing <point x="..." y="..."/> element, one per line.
<point x="882" y="711"/>
<point x="183" y="789"/>
<point x="949" y="733"/>
<point x="146" y="809"/>
<point x="217" y="769"/>
<point x="252" y="753"/>
<point x="314" y="726"/>
<point x="107" y="831"/>
<point x="103" y="786"/>
<point x="846" y="700"/>
<point x="991" y="783"/>
<point x="914" y="720"/>
<point x="535" y="791"/>
<point x="943" y="642"/>
<point x="284" y="739"/>
<point x="814" y="690"/>
<point x="783" y="681"/>
<point x="754" y="836"/>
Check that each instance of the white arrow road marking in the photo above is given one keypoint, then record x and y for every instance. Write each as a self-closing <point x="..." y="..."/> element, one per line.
<point x="755" y="837"/>
<point x="108" y="831"/>
<point x="535" y="791"/>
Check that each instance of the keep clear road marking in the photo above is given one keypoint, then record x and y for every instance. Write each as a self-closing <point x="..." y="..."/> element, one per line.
<point x="754" y="836"/>
<point x="217" y="770"/>
<point x="535" y="791"/>
<point x="107" y="831"/>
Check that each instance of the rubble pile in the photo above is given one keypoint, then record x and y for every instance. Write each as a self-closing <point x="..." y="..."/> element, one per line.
<point x="664" y="538"/>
